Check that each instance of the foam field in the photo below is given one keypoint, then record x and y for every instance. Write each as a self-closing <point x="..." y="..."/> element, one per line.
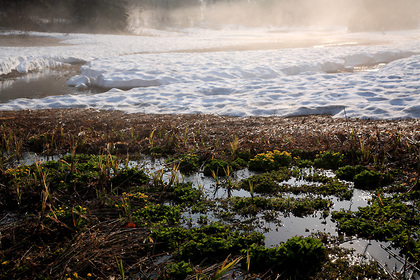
<point x="233" y="71"/>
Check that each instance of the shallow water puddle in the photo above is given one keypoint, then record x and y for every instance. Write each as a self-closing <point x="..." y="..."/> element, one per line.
<point x="39" y="84"/>
<point x="382" y="252"/>
<point x="285" y="226"/>
<point x="276" y="230"/>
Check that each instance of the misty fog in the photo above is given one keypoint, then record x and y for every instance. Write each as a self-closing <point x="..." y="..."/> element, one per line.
<point x="357" y="15"/>
<point x="118" y="16"/>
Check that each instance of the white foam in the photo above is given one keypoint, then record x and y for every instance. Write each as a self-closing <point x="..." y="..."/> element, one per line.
<point x="278" y="81"/>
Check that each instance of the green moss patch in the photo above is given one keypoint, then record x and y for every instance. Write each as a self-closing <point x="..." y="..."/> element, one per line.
<point x="297" y="258"/>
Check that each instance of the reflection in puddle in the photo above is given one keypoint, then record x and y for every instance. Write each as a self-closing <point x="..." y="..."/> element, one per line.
<point x="274" y="232"/>
<point x="305" y="226"/>
<point x="382" y="252"/>
<point x="39" y="84"/>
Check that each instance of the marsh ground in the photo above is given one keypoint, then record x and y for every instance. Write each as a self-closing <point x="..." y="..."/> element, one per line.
<point x="85" y="226"/>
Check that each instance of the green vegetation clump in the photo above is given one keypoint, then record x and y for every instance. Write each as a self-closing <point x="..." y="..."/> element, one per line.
<point x="299" y="207"/>
<point x="178" y="270"/>
<point x="303" y="162"/>
<point x="239" y="163"/>
<point x="187" y="164"/>
<point x="270" y="161"/>
<point x="370" y="180"/>
<point x="130" y="176"/>
<point x="268" y="182"/>
<point x="81" y="174"/>
<point x="156" y="214"/>
<point x="302" y="158"/>
<point x="316" y="176"/>
<point x="78" y="170"/>
<point x="386" y="219"/>
<point x="365" y="178"/>
<point x="218" y="166"/>
<point x="244" y="155"/>
<point x="332" y="187"/>
<point x="210" y="243"/>
<point x="271" y="182"/>
<point x="297" y="258"/>
<point x="75" y="216"/>
<point x="185" y="193"/>
<point x="329" y="160"/>
<point x="348" y="172"/>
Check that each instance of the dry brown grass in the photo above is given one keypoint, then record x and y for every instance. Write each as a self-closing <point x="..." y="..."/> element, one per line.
<point x="396" y="141"/>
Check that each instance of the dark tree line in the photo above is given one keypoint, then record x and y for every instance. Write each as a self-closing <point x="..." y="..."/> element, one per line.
<point x="82" y="15"/>
<point x="64" y="15"/>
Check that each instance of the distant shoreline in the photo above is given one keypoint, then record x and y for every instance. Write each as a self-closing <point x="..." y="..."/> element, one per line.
<point x="29" y="41"/>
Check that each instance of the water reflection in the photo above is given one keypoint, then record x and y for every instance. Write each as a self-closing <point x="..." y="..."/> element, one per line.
<point x="39" y="84"/>
<point x="283" y="226"/>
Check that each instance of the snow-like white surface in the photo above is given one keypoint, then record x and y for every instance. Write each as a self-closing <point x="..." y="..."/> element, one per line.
<point x="240" y="72"/>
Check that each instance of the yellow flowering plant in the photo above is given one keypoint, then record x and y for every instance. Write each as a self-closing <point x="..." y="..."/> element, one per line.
<point x="270" y="160"/>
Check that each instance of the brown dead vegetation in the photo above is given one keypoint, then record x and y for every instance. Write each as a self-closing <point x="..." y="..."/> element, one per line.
<point x="393" y="140"/>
